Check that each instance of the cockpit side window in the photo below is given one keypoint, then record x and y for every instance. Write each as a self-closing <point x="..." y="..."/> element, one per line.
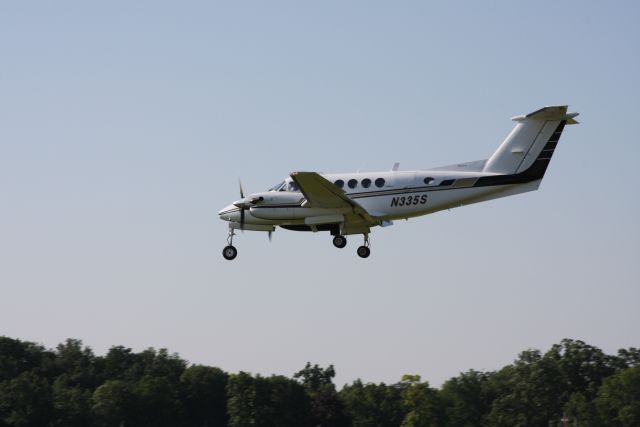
<point x="293" y="187"/>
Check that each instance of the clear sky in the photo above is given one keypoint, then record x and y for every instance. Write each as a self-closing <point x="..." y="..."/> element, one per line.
<point x="124" y="127"/>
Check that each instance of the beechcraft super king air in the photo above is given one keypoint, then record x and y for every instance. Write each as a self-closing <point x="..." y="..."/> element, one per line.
<point x="353" y="203"/>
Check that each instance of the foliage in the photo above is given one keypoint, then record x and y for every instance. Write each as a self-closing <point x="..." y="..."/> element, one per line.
<point x="373" y="405"/>
<point x="327" y="409"/>
<point x="71" y="386"/>
<point x="618" y="399"/>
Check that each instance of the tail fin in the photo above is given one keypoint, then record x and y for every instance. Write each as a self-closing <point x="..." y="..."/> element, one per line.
<point x="527" y="150"/>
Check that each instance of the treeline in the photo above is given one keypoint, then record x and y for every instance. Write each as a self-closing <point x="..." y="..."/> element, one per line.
<point x="571" y="384"/>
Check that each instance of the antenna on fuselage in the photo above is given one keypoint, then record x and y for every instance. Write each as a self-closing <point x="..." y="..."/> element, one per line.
<point x="395" y="167"/>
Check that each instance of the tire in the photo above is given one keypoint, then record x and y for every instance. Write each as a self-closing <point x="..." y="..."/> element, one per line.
<point x="339" y="241"/>
<point x="364" y="252"/>
<point x="229" y="252"/>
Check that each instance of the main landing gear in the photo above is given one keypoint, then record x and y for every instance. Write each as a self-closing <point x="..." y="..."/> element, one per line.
<point x="230" y="252"/>
<point x="363" y="251"/>
<point x="339" y="241"/>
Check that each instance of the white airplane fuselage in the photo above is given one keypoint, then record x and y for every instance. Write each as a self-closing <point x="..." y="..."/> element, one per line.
<point x="404" y="195"/>
<point x="352" y="203"/>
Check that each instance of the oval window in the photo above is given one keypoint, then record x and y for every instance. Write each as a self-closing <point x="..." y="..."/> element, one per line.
<point x="352" y="183"/>
<point x="339" y="183"/>
<point x="366" y="183"/>
<point x="380" y="182"/>
<point x="428" y="180"/>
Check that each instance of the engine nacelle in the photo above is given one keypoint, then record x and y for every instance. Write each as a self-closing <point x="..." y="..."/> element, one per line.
<point x="291" y="213"/>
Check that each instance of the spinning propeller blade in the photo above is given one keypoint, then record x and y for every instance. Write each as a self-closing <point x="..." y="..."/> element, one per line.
<point x="242" y="208"/>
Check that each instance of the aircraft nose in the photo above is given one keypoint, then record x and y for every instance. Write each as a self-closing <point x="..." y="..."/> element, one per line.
<point x="229" y="213"/>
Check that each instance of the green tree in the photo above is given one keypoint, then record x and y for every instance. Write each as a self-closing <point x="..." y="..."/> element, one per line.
<point x="157" y="402"/>
<point x="629" y="357"/>
<point x="327" y="410"/>
<point x="289" y="405"/>
<point x="582" y="367"/>
<point x="203" y="393"/>
<point x="72" y="404"/>
<point x="113" y="404"/>
<point x="162" y="364"/>
<point x="536" y="389"/>
<point x="581" y="411"/>
<point x="467" y="399"/>
<point x="25" y="401"/>
<point x="421" y="402"/>
<point x="528" y="392"/>
<point x="120" y="363"/>
<point x="275" y="401"/>
<point x="76" y="363"/>
<point x="241" y="400"/>
<point x="618" y="400"/>
<point x="373" y="405"/>
<point x="18" y="356"/>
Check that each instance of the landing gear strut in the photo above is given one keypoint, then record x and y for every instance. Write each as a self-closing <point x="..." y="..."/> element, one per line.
<point x="364" y="251"/>
<point x="230" y="252"/>
<point x="339" y="241"/>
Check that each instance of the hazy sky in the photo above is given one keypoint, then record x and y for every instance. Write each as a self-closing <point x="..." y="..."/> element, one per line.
<point x="124" y="127"/>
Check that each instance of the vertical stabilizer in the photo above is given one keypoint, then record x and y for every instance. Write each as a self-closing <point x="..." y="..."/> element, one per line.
<point x="531" y="135"/>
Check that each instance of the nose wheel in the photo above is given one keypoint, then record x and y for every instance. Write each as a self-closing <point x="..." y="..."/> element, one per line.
<point x="230" y="252"/>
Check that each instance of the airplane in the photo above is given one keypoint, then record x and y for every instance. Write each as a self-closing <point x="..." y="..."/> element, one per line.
<point x="352" y="203"/>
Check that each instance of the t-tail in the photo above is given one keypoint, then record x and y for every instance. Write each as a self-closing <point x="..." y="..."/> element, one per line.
<point x="526" y="152"/>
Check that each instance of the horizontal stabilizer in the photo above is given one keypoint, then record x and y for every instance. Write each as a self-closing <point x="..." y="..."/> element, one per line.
<point x="552" y="113"/>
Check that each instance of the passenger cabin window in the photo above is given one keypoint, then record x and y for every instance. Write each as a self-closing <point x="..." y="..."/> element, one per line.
<point x="339" y="183"/>
<point x="352" y="183"/>
<point x="428" y="180"/>
<point x="366" y="183"/>
<point x="380" y="182"/>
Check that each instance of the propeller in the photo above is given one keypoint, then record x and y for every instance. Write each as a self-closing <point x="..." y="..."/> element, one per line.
<point x="242" y="208"/>
<point x="245" y="204"/>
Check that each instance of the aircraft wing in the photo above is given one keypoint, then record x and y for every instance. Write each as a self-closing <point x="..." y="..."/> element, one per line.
<point x="320" y="193"/>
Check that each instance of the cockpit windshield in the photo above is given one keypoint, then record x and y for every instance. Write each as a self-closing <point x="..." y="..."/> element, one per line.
<point x="278" y="187"/>
<point x="288" y="185"/>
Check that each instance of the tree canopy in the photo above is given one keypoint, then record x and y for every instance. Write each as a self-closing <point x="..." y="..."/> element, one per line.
<point x="572" y="383"/>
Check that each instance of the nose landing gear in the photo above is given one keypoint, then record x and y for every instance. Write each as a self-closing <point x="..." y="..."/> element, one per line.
<point x="230" y="252"/>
